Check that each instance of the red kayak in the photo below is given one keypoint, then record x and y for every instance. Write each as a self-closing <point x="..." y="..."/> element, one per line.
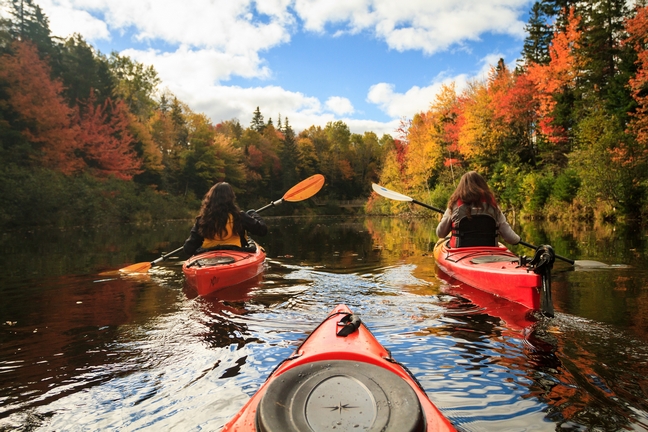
<point x="499" y="271"/>
<point x="340" y="378"/>
<point x="217" y="269"/>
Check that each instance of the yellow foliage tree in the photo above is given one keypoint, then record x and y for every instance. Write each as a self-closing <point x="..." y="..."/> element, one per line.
<point x="481" y="135"/>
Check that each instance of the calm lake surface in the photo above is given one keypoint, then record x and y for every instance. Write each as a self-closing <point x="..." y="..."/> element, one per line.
<point x="83" y="349"/>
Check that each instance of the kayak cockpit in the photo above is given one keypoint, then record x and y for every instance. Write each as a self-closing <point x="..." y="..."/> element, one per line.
<point x="341" y="395"/>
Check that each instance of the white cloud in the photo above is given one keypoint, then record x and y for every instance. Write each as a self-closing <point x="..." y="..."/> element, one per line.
<point x="414" y="100"/>
<point x="429" y="26"/>
<point x="418" y="99"/>
<point x="488" y="63"/>
<point x="339" y="105"/>
<point x="65" y="20"/>
<point x="233" y="26"/>
<point x="233" y="102"/>
<point x="196" y="68"/>
<point x="379" y="128"/>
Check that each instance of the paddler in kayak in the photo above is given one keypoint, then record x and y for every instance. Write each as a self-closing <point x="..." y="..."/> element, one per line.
<point x="221" y="224"/>
<point x="473" y="216"/>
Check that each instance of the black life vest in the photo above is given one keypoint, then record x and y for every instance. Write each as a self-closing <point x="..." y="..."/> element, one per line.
<point x="474" y="226"/>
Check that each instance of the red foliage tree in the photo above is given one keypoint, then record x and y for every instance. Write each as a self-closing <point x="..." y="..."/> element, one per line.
<point x="105" y="144"/>
<point x="43" y="117"/>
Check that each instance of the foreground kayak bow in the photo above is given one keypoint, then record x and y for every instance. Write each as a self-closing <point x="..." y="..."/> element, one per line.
<point x="342" y="379"/>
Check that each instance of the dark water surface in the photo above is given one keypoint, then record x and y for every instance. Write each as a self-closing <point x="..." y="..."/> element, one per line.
<point x="82" y="351"/>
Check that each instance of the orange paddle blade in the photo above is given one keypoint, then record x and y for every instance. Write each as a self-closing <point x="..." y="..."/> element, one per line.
<point x="142" y="267"/>
<point x="305" y="188"/>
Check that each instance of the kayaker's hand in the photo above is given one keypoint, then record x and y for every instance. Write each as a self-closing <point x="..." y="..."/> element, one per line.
<point x="252" y="213"/>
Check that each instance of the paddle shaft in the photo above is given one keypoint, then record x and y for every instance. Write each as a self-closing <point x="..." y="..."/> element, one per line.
<point x="272" y="204"/>
<point x="428" y="206"/>
<point x="570" y="261"/>
<point x="165" y="256"/>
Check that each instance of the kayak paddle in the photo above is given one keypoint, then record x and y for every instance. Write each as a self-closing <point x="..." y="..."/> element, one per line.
<point x="383" y="191"/>
<point x="300" y="192"/>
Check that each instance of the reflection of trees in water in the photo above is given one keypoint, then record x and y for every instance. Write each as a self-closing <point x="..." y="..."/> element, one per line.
<point x="583" y="374"/>
<point x="224" y="332"/>
<point x="82" y="250"/>
<point x="322" y="241"/>
<point x="589" y="377"/>
<point x="69" y="335"/>
<point x="617" y="297"/>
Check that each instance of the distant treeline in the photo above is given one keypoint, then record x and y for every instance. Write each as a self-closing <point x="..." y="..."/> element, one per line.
<point x="89" y="138"/>
<point x="564" y="135"/>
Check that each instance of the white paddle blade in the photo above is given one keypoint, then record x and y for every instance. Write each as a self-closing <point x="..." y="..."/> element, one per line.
<point x="380" y="190"/>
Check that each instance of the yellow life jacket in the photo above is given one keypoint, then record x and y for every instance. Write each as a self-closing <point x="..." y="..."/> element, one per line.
<point x="230" y="237"/>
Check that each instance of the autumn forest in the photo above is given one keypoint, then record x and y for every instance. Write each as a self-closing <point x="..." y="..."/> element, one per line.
<point x="90" y="138"/>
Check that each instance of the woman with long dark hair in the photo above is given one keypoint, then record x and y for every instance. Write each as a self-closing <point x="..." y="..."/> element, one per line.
<point x="221" y="223"/>
<point x="472" y="198"/>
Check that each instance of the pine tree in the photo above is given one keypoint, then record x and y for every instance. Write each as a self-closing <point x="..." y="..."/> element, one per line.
<point x="30" y="23"/>
<point x="257" y="121"/>
<point x="83" y="71"/>
<point x="608" y="63"/>
<point x="289" y="156"/>
<point x="536" y="44"/>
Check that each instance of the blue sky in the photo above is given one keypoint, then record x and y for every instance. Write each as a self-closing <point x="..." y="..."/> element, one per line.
<point x="368" y="63"/>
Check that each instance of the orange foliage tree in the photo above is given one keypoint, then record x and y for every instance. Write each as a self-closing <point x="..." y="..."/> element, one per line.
<point x="561" y="74"/>
<point x="637" y="28"/>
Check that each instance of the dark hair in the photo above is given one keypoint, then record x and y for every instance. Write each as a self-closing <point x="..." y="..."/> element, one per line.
<point x="215" y="210"/>
<point x="472" y="189"/>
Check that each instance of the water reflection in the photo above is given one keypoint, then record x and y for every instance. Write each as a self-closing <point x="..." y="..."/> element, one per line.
<point x="146" y="353"/>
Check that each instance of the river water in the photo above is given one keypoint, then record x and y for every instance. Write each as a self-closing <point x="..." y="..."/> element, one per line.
<point x="83" y="349"/>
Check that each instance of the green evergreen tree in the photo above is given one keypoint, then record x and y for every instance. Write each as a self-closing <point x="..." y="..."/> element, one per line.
<point x="82" y="69"/>
<point x="609" y="64"/>
<point x="289" y="155"/>
<point x="257" y="121"/>
<point x="29" y="22"/>
<point x="540" y="33"/>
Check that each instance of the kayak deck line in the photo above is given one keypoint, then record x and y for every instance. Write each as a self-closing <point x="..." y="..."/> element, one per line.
<point x="341" y="378"/>
<point x="503" y="253"/>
